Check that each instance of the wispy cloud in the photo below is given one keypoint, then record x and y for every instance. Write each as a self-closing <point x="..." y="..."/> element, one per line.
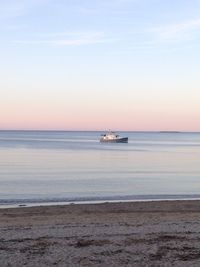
<point x="70" y="39"/>
<point x="83" y="39"/>
<point x="183" y="31"/>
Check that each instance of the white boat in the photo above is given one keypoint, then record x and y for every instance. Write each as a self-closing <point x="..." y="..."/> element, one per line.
<point x="112" y="137"/>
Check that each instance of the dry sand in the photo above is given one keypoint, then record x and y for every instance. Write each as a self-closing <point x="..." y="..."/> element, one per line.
<point x="160" y="233"/>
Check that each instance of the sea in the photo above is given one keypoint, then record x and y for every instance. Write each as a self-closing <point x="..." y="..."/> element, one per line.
<point x="55" y="167"/>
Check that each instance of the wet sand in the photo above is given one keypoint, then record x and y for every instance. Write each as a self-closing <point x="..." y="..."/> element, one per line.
<point x="159" y="233"/>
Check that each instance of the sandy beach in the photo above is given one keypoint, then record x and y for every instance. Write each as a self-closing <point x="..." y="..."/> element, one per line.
<point x="159" y="233"/>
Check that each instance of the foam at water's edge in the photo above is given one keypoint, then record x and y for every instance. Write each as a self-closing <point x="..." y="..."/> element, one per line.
<point x="64" y="201"/>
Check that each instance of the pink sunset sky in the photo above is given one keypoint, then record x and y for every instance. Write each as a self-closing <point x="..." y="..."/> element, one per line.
<point x="98" y="109"/>
<point x="98" y="65"/>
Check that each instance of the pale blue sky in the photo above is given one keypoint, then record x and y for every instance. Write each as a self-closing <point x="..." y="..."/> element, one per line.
<point x="69" y="64"/>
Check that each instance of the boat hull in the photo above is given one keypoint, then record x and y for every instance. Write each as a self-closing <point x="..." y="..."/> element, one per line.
<point x="117" y="140"/>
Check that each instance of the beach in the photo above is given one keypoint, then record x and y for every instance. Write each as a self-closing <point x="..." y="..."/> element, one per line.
<point x="154" y="233"/>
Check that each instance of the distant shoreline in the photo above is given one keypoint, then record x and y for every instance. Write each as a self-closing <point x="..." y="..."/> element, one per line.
<point x="117" y="130"/>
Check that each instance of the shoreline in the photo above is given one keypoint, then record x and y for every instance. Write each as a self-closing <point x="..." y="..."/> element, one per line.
<point x="154" y="233"/>
<point x="4" y="204"/>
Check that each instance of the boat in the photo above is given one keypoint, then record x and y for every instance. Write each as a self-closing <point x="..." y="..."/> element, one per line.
<point x="112" y="137"/>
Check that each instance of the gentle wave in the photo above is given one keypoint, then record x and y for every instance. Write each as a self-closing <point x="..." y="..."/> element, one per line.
<point x="96" y="199"/>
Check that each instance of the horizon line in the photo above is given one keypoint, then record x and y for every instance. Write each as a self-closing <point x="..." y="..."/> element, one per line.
<point x="99" y="130"/>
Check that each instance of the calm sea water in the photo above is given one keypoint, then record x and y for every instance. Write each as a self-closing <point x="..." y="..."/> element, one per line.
<point x="51" y="166"/>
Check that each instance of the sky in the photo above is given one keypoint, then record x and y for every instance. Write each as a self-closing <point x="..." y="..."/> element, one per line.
<point x="100" y="64"/>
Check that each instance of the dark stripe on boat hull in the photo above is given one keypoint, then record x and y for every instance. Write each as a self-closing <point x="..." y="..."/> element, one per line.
<point x="119" y="140"/>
